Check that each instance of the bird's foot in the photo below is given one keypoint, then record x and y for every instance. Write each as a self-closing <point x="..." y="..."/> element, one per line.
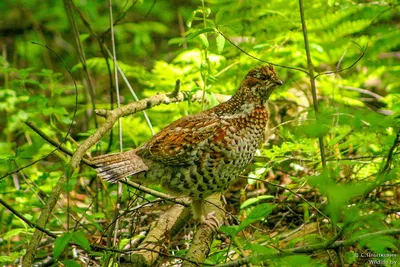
<point x="211" y="221"/>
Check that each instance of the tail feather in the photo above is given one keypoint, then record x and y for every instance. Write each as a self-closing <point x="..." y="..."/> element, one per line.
<point x="114" y="167"/>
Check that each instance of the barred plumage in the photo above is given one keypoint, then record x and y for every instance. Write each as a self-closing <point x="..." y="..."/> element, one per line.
<point x="201" y="154"/>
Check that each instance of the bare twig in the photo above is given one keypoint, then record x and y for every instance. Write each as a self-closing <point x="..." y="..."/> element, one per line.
<point x="142" y="188"/>
<point x="81" y="52"/>
<point x="344" y="69"/>
<point x="105" y="51"/>
<point x="258" y="59"/>
<point x="22" y="217"/>
<point x="312" y="79"/>
<point x="114" y="226"/>
<point x="55" y="143"/>
<point x="146" y="117"/>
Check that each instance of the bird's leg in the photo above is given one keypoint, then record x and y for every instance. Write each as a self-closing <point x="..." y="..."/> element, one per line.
<point x="208" y="218"/>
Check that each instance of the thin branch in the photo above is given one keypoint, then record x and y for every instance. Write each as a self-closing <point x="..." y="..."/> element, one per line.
<point x="55" y="143"/>
<point x="258" y="59"/>
<point x="150" y="9"/>
<point x="26" y="220"/>
<point x="114" y="226"/>
<point x="181" y="201"/>
<point x="42" y="221"/>
<point x="146" y="117"/>
<point x="363" y="52"/>
<point x="362" y="91"/>
<point x="122" y="13"/>
<point x="390" y="154"/>
<point x="104" y="49"/>
<point x="312" y="79"/>
<point x="81" y="52"/>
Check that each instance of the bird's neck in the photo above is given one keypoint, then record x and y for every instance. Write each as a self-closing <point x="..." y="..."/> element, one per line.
<point x="243" y="101"/>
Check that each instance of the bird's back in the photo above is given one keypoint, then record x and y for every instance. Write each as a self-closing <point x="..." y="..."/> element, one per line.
<point x="202" y="154"/>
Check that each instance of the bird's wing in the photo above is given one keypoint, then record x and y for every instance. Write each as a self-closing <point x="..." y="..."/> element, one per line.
<point x="180" y="142"/>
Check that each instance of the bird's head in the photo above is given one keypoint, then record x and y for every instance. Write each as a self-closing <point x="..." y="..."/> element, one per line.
<point x="262" y="81"/>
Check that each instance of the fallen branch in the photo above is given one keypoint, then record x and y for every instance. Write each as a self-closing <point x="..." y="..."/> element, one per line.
<point x="201" y="244"/>
<point x="169" y="224"/>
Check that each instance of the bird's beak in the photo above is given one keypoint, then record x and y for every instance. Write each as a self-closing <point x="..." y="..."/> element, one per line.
<point x="279" y="82"/>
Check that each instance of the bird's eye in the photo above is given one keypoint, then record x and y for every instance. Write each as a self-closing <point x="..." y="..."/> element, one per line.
<point x="263" y="77"/>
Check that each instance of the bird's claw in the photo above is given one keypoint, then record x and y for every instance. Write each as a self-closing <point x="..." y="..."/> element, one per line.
<point x="211" y="221"/>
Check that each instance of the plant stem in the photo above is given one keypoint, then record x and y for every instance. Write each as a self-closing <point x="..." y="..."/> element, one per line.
<point x="204" y="75"/>
<point x="114" y="227"/>
<point x="312" y="80"/>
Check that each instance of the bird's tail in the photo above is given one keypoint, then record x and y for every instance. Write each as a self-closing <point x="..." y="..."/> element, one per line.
<point x="114" y="167"/>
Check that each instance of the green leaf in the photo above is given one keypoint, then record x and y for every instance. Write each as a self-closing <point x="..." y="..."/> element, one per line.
<point x="258" y="213"/>
<point x="79" y="238"/>
<point x="235" y="28"/>
<point x="349" y="257"/>
<point x="338" y="194"/>
<point x="14" y="232"/>
<point x="212" y="100"/>
<point x="253" y="200"/>
<point x="83" y="36"/>
<point x="69" y="171"/>
<point x="207" y="12"/>
<point x="379" y="244"/>
<point x="70" y="185"/>
<point x="220" y="43"/>
<point x="306" y="211"/>
<point x="219" y="15"/>
<point x="37" y="99"/>
<point x="295" y="260"/>
<point x="335" y="140"/>
<point x="257" y="248"/>
<point x="178" y="40"/>
<point x="22" y="115"/>
<point x="60" y="244"/>
<point x="11" y="258"/>
<point x="191" y="18"/>
<point x="229" y="230"/>
<point x="199" y="32"/>
<point x="71" y="263"/>
<point x="204" y="40"/>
